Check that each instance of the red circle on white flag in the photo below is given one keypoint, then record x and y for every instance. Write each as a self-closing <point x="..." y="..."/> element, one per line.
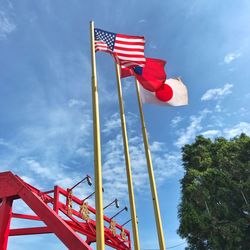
<point x="164" y="93"/>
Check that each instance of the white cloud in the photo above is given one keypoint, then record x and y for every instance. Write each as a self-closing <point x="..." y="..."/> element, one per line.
<point x="45" y="150"/>
<point x="54" y="174"/>
<point x="211" y="133"/>
<point x="37" y="168"/>
<point x="218" y="108"/>
<point x="84" y="152"/>
<point x="127" y="85"/>
<point x="75" y="102"/>
<point x="247" y="95"/>
<point x="243" y="112"/>
<point x="29" y="180"/>
<point x="142" y="21"/>
<point x="175" y="121"/>
<point x="231" y="56"/>
<point x="242" y="127"/>
<point x="6" y="26"/>
<point x="112" y="124"/>
<point x="230" y="132"/>
<point x="152" y="46"/>
<point x="218" y="93"/>
<point x="191" y="131"/>
<point x="4" y="143"/>
<point x="165" y="164"/>
<point x="20" y="206"/>
<point x="114" y="170"/>
<point x="157" y="146"/>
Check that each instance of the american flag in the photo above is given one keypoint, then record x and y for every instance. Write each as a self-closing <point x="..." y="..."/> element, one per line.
<point x="128" y="50"/>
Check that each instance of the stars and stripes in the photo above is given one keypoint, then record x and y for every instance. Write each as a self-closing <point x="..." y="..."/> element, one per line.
<point x="128" y="50"/>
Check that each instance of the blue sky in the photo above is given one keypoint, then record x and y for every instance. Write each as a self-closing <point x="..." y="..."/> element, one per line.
<point x="45" y="97"/>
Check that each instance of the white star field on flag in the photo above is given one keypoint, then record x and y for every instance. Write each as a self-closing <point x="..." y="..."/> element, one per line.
<point x="107" y="37"/>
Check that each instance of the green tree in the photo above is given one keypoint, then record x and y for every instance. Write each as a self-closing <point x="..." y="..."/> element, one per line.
<point x="214" y="211"/>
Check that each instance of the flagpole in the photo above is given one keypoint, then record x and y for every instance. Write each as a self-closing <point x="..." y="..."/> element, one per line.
<point x="151" y="174"/>
<point x="127" y="160"/>
<point x="100" y="243"/>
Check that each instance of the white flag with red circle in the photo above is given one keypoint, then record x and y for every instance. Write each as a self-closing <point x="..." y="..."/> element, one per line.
<point x="172" y="93"/>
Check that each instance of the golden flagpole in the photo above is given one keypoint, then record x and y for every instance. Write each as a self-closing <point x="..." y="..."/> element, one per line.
<point x="100" y="243"/>
<point x="127" y="160"/>
<point x="151" y="174"/>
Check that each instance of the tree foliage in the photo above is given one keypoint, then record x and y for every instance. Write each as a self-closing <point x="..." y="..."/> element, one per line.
<point x="214" y="211"/>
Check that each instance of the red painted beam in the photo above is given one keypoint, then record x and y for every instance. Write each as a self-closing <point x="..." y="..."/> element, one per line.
<point x="8" y="186"/>
<point x="14" y="185"/>
<point x="79" y="202"/>
<point x="25" y="216"/>
<point x="5" y="218"/>
<point x="30" y="230"/>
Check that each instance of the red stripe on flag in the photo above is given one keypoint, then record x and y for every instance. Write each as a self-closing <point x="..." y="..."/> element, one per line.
<point x="132" y="37"/>
<point x="128" y="49"/>
<point x="129" y="43"/>
<point x="130" y="55"/>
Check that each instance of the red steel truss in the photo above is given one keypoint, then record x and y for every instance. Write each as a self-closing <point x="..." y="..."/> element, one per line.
<point x="76" y="216"/>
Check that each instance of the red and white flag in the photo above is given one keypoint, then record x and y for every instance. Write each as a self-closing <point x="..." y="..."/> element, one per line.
<point x="127" y="50"/>
<point x="151" y="76"/>
<point x="154" y="87"/>
<point x="172" y="93"/>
